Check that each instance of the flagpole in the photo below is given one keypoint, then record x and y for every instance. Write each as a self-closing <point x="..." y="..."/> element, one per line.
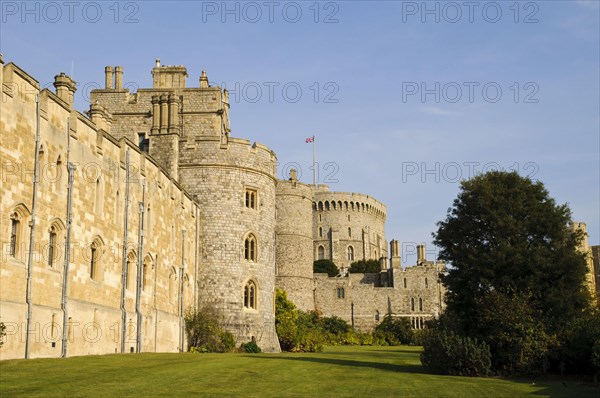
<point x="314" y="164"/>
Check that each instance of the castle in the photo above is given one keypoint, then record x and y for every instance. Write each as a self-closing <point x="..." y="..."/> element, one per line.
<point x="116" y="222"/>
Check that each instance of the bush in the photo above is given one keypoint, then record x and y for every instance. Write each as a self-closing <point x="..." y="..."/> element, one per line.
<point x="335" y="325"/>
<point x="325" y="267"/>
<point x="205" y="333"/>
<point x="445" y="352"/>
<point x="251" y="347"/>
<point x="365" y="266"/>
<point x="393" y="331"/>
<point x="298" y="331"/>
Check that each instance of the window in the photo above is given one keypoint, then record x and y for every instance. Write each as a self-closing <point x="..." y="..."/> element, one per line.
<point x="341" y="293"/>
<point x="250" y="294"/>
<point x="15" y="227"/>
<point x="51" y="245"/>
<point x="251" y="198"/>
<point x="99" y="196"/>
<point x="405" y="284"/>
<point x="420" y="304"/>
<point x="131" y="261"/>
<point x="320" y="232"/>
<point x="250" y="248"/>
<point x="94" y="261"/>
<point x="350" y="253"/>
<point x="143" y="142"/>
<point x="321" y="253"/>
<point x="377" y="316"/>
<point x="426" y="283"/>
<point x="412" y="304"/>
<point x="320" y="218"/>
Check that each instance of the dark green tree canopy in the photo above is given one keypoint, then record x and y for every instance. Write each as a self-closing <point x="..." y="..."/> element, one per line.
<point x="365" y="266"/>
<point x="505" y="234"/>
<point x="325" y="267"/>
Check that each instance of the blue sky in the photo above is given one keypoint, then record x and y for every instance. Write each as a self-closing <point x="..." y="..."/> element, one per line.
<point x="405" y="98"/>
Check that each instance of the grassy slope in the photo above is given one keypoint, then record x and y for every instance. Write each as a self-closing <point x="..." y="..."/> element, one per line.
<point x="339" y="372"/>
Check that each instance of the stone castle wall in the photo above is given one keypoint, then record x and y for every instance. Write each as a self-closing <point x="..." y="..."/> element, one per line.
<point x="417" y="295"/>
<point x="294" y="242"/>
<point x="98" y="208"/>
<point x="344" y="222"/>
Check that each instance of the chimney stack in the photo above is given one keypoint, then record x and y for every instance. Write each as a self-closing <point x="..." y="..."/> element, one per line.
<point x="119" y="78"/>
<point x="65" y="88"/>
<point x="108" y="78"/>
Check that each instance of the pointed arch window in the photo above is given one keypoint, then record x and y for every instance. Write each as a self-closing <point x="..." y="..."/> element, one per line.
<point x="51" y="245"/>
<point x="250" y="295"/>
<point x="350" y="253"/>
<point x="250" y="248"/>
<point x="15" y="229"/>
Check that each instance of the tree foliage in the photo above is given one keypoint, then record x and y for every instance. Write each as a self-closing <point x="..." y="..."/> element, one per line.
<point x="516" y="279"/>
<point x="394" y="331"/>
<point x="365" y="266"/>
<point x="325" y="267"/>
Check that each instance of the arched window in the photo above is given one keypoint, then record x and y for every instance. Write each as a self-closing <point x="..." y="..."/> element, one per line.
<point x="341" y="293"/>
<point x="99" y="196"/>
<point x="15" y="230"/>
<point x="412" y="304"/>
<point x="94" y="261"/>
<point x="420" y="304"/>
<point x="130" y="276"/>
<point x="52" y="249"/>
<point x="250" y="295"/>
<point x="350" y="253"/>
<point x="326" y="205"/>
<point x="321" y="253"/>
<point x="320" y="206"/>
<point x="250" y="248"/>
<point x="147" y="266"/>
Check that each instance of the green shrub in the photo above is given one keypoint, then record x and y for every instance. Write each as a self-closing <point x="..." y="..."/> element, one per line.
<point x="445" y="352"/>
<point x="250" y="347"/>
<point x="365" y="266"/>
<point x="325" y="267"/>
<point x="335" y="325"/>
<point x="298" y="331"/>
<point x="204" y="331"/>
<point x="394" y="331"/>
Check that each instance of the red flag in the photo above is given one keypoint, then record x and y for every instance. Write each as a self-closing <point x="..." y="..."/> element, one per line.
<point x="310" y="139"/>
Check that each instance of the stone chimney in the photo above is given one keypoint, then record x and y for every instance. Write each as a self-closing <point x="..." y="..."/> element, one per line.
<point x="108" y="78"/>
<point x="203" y="80"/>
<point x="100" y="117"/>
<point x="395" y="254"/>
<point x="420" y="254"/>
<point x="119" y="78"/>
<point x="65" y="88"/>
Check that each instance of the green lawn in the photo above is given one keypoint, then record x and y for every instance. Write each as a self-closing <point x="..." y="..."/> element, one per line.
<point x="336" y="372"/>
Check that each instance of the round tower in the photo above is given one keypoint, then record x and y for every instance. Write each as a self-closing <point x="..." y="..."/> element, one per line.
<point x="234" y="184"/>
<point x="294" y="241"/>
<point x="348" y="227"/>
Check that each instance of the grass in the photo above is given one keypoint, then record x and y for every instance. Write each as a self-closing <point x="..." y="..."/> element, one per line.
<point x="336" y="372"/>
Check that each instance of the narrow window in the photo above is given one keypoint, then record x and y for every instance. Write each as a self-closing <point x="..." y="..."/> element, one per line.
<point x="251" y="198"/>
<point x="98" y="196"/>
<point x="405" y="283"/>
<point x="320" y="232"/>
<point x="94" y="261"/>
<point x="14" y="233"/>
<point x="320" y="218"/>
<point x="51" y="245"/>
<point x="321" y="253"/>
<point x="412" y="304"/>
<point x="426" y="283"/>
<point x="420" y="304"/>
<point x="377" y="316"/>
<point x="350" y="253"/>
<point x="250" y="248"/>
<point x="250" y="295"/>
<point x="349" y="232"/>
<point x="341" y="294"/>
<point x="144" y="273"/>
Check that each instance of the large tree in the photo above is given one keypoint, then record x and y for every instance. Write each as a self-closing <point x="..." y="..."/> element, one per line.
<point x="504" y="234"/>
